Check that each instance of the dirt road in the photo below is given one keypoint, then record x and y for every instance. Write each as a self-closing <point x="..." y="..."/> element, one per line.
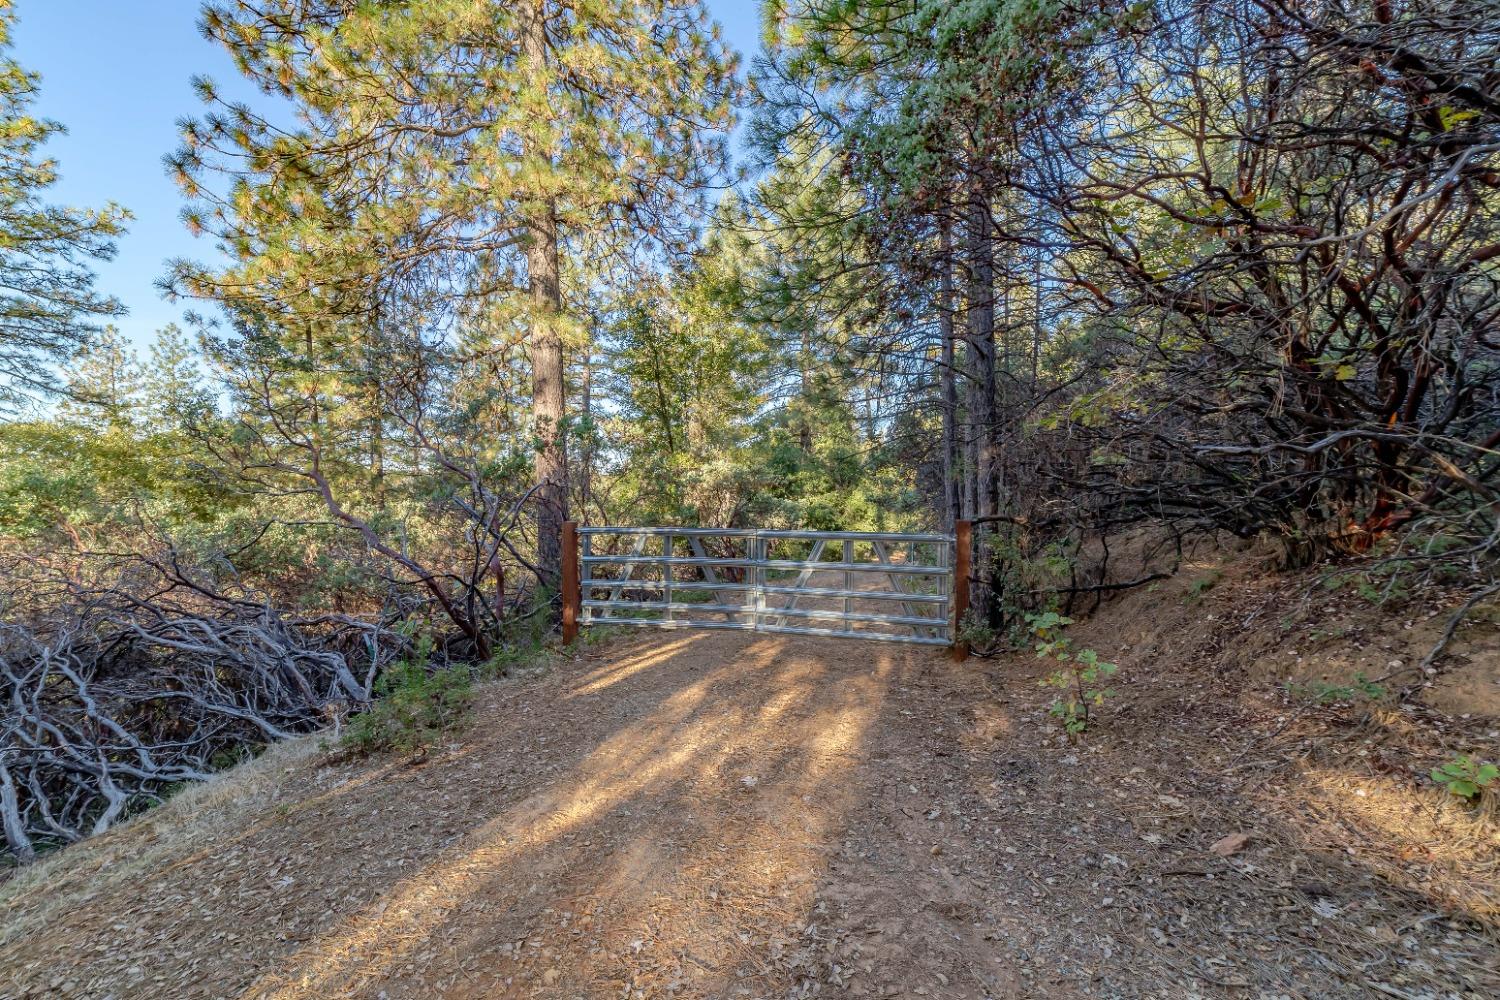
<point x="707" y="815"/>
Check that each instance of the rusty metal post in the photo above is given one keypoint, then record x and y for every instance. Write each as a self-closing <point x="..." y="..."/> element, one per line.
<point x="572" y="594"/>
<point x="963" y="547"/>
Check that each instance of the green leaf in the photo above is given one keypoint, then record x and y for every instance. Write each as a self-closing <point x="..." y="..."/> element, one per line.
<point x="1453" y="117"/>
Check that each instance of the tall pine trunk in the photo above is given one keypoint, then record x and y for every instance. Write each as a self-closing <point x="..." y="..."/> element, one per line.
<point x="586" y="459"/>
<point x="804" y="361"/>
<point x="542" y="267"/>
<point x="948" y="385"/>
<point x="983" y="403"/>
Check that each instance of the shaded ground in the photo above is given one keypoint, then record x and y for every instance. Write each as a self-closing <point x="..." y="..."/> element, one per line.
<point x="729" y="815"/>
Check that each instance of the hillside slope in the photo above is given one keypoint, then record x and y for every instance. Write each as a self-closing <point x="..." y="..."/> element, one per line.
<point x="722" y="815"/>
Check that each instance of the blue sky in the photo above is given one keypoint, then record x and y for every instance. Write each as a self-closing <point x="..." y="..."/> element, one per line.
<point x="116" y="74"/>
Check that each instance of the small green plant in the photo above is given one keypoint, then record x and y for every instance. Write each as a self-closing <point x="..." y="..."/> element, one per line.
<point x="1203" y="585"/>
<point x="1466" y="777"/>
<point x="1379" y="590"/>
<point x="415" y="705"/>
<point x="1081" y="677"/>
<point x="1323" y="693"/>
<point x="977" y="634"/>
<point x="525" y="639"/>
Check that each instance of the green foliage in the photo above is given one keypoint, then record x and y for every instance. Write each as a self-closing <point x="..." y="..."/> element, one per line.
<point x="1324" y="693"/>
<point x="1203" y="585"/>
<point x="1387" y="580"/>
<point x="47" y="296"/>
<point x="1023" y="575"/>
<point x="128" y="443"/>
<point x="1081" y="677"/>
<point x="1466" y="777"/>
<point x="415" y="706"/>
<point x="624" y="113"/>
<point x="976" y="633"/>
<point x="525" y="638"/>
<point x="1379" y="593"/>
<point x="57" y="476"/>
<point x="103" y="383"/>
<point x="412" y="280"/>
<point x="927" y="108"/>
<point x="733" y="387"/>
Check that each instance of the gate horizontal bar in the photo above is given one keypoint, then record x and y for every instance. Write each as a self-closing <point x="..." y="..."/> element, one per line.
<point x="740" y="609"/>
<point x="833" y="567"/>
<point x="737" y="609"/>
<point x="666" y="623"/>
<point x="749" y="569"/>
<point x="694" y="532"/>
<point x="781" y="629"/>
<point x="625" y="585"/>
<point x="837" y="536"/>
<point x="841" y="634"/>
<point x="671" y="561"/>
<point x="858" y="536"/>
<point x="839" y="616"/>
<point x="856" y="567"/>
<point x="855" y="595"/>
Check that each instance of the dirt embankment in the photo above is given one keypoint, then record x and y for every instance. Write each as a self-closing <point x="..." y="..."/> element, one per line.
<point x="726" y="815"/>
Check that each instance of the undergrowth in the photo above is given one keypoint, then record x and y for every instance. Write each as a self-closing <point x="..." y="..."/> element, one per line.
<point x="415" y="705"/>
<point x="418" y="703"/>
<point x="1081" y="677"/>
<point x="1467" y="777"/>
<point x="1324" y="693"/>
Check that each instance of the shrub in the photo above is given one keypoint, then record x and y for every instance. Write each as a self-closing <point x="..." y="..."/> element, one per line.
<point x="1466" y="777"/>
<point x="1324" y="693"/>
<point x="415" y="705"/>
<point x="1080" y="678"/>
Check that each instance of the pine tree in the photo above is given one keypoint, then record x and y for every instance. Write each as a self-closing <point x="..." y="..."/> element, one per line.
<point x="48" y="305"/>
<point x="450" y="154"/>
<point x="104" y="383"/>
<point x="172" y="382"/>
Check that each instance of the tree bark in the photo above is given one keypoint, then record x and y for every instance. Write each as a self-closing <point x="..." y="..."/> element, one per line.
<point x="375" y="402"/>
<point x="946" y="381"/>
<point x="544" y="285"/>
<point x="586" y="484"/>
<point x="804" y="360"/>
<point x="983" y="412"/>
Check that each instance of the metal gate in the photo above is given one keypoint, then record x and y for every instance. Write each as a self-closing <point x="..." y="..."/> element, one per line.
<point x="889" y="587"/>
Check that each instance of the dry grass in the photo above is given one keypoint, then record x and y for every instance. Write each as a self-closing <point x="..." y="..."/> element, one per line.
<point x="1419" y="838"/>
<point x="199" y="815"/>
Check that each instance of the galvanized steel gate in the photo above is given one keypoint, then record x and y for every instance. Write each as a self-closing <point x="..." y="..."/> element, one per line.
<point x="889" y="587"/>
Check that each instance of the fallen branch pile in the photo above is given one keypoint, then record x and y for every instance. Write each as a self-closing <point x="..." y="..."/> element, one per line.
<point x="125" y="691"/>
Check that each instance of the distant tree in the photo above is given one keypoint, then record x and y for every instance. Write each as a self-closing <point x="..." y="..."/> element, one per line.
<point x="172" y="382"/>
<point x="104" y="383"/>
<point x="48" y="305"/>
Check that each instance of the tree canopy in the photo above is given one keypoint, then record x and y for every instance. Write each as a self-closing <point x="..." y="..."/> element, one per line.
<point x="49" y="308"/>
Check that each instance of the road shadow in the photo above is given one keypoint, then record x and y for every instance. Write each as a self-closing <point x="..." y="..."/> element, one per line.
<point x="694" y="788"/>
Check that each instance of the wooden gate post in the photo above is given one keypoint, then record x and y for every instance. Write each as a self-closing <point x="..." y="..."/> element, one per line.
<point x="572" y="595"/>
<point x="963" y="547"/>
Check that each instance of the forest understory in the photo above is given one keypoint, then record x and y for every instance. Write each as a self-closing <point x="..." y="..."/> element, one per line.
<point x="711" y="815"/>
